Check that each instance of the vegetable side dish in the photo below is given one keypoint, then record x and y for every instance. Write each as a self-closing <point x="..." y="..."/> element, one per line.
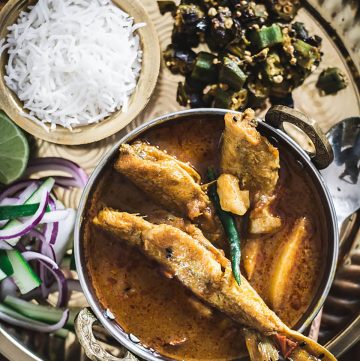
<point x="164" y="232"/>
<point x="255" y="52"/>
<point x="36" y="232"/>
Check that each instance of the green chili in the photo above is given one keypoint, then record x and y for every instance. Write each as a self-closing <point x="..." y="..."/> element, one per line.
<point x="229" y="225"/>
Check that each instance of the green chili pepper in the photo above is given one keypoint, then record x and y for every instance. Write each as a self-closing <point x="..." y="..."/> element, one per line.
<point x="23" y="210"/>
<point x="231" y="74"/>
<point x="266" y="37"/>
<point x="331" y="80"/>
<point x="229" y="225"/>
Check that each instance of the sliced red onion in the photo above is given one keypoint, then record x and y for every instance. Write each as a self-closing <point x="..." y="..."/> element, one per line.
<point x="16" y="187"/>
<point x="8" y="201"/>
<point x="37" y="234"/>
<point x="61" y="164"/>
<point x="51" y="229"/>
<point x="53" y="267"/>
<point x="66" y="182"/>
<point x="54" y="216"/>
<point x="6" y="246"/>
<point x="36" y="325"/>
<point x="66" y="229"/>
<point x="8" y="287"/>
<point x="31" y="255"/>
<point x="19" y="199"/>
<point x="27" y="192"/>
<point x="30" y="222"/>
<point x="47" y="279"/>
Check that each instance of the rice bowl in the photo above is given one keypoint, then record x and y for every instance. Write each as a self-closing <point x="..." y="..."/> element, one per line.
<point x="117" y="115"/>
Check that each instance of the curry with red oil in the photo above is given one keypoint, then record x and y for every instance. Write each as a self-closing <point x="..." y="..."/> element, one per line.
<point x="160" y="311"/>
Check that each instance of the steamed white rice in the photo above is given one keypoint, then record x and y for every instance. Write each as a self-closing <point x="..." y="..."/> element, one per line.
<point x="73" y="62"/>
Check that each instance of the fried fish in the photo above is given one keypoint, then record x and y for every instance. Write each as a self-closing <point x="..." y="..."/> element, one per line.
<point x="249" y="156"/>
<point x="203" y="269"/>
<point x="171" y="183"/>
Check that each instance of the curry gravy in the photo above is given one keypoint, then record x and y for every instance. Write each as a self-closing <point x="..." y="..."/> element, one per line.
<point x="161" y="312"/>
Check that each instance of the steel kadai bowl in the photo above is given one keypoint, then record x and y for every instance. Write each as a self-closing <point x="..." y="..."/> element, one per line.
<point x="272" y="128"/>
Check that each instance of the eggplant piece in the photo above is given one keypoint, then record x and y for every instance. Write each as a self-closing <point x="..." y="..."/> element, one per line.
<point x="250" y="13"/>
<point x="223" y="28"/>
<point x="179" y="60"/>
<point x="181" y="95"/>
<point x="189" y="23"/>
<point x="229" y="99"/>
<point x="186" y="96"/>
<point x="166" y="6"/>
<point x="287" y="100"/>
<point x="300" y="31"/>
<point x="231" y="74"/>
<point x="258" y="93"/>
<point x="331" y="80"/>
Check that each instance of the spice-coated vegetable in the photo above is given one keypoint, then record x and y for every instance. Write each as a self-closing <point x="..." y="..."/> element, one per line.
<point x="331" y="80"/>
<point x="166" y="7"/>
<point x="231" y="74"/>
<point x="266" y="37"/>
<point x="255" y="52"/>
<point x="205" y="68"/>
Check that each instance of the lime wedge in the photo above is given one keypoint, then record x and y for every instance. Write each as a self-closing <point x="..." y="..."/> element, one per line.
<point x="14" y="150"/>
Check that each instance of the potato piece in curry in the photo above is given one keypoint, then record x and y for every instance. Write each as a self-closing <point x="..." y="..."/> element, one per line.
<point x="160" y="310"/>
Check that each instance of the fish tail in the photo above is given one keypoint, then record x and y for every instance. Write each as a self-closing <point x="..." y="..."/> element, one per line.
<point x="311" y="346"/>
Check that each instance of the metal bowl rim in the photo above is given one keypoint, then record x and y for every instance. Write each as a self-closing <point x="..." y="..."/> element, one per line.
<point x="126" y="137"/>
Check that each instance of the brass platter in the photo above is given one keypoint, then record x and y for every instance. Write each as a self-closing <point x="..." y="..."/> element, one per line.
<point x="339" y="26"/>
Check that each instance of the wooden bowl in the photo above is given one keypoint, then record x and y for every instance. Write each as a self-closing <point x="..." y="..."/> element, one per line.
<point x="10" y="103"/>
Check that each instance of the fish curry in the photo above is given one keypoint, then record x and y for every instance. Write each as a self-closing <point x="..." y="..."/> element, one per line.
<point x="282" y="238"/>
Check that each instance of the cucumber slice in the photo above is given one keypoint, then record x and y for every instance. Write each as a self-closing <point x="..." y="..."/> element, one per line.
<point x="39" y="312"/>
<point x="24" y="276"/>
<point x="10" y="312"/>
<point x="3" y="275"/>
<point x="34" y="198"/>
<point x="5" y="264"/>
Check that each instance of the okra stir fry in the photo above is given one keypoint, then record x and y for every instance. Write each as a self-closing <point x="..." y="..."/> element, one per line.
<point x="255" y="52"/>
